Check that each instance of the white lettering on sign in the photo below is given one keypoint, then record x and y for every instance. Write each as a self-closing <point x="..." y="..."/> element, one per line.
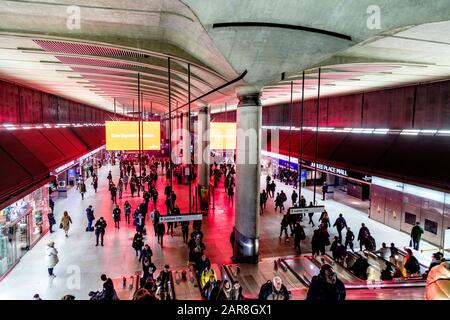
<point x="64" y="167"/>
<point x="306" y="210"/>
<point x="181" y="217"/>
<point x="326" y="168"/>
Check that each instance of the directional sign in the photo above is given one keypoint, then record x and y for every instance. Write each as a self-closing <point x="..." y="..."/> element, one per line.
<point x="303" y="211"/>
<point x="180" y="217"/>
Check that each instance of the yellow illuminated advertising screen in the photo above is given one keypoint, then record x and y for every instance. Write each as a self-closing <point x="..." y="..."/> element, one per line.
<point x="124" y="135"/>
<point x="222" y="136"/>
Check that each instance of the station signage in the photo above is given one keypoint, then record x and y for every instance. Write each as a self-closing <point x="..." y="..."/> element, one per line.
<point x="303" y="211"/>
<point x="324" y="167"/>
<point x="222" y="136"/>
<point x="180" y="217"/>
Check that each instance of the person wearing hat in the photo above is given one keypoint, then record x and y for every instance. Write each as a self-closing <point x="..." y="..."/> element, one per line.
<point x="51" y="258"/>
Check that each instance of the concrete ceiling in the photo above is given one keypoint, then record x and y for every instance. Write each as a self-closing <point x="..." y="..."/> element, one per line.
<point x="118" y="39"/>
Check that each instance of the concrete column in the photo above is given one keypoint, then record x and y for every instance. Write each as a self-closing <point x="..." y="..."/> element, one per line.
<point x="186" y="140"/>
<point x="248" y="173"/>
<point x="203" y="157"/>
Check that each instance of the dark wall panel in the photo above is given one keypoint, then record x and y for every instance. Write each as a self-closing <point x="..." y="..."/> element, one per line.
<point x="30" y="106"/>
<point x="9" y="103"/>
<point x="63" y="111"/>
<point x="49" y="108"/>
<point x="390" y="108"/>
<point x="345" y="111"/>
<point x="433" y="106"/>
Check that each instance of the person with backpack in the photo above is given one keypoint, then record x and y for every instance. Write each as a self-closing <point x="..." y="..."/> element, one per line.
<point x="100" y="227"/>
<point x="90" y="218"/>
<point x="416" y="234"/>
<point x="362" y="235"/>
<point x="299" y="235"/>
<point x="340" y="224"/>
<point x="273" y="290"/>
<point x="326" y="286"/>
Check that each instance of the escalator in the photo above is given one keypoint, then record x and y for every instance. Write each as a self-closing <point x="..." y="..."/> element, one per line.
<point x="188" y="289"/>
<point x="252" y="277"/>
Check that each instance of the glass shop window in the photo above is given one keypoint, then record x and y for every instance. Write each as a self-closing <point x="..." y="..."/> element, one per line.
<point x="431" y="226"/>
<point x="410" y="218"/>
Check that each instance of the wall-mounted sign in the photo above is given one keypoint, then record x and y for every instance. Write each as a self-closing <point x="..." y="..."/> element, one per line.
<point x="180" y="217"/>
<point x="331" y="169"/>
<point x="64" y="167"/>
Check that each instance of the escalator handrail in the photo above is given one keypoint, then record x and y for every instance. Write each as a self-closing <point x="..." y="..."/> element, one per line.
<point x="228" y="272"/>
<point x="300" y="278"/>
<point x="172" y="287"/>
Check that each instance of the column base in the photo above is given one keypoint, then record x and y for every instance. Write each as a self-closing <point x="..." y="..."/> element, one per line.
<point x="246" y="250"/>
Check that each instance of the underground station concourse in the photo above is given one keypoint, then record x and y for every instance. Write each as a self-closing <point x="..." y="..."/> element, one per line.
<point x="261" y="135"/>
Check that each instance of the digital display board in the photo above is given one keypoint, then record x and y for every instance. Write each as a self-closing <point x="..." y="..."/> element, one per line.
<point x="124" y="135"/>
<point x="222" y="136"/>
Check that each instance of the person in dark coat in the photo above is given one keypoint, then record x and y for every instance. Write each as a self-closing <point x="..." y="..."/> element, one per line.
<point x="90" y="218"/>
<point x="340" y="224"/>
<point x="273" y="290"/>
<point x="51" y="220"/>
<point x="416" y="235"/>
<point x="127" y="211"/>
<point x="299" y="235"/>
<point x="185" y="231"/>
<point x="326" y="286"/>
<point x="100" y="227"/>
<point x="363" y="235"/>
<point x="232" y="242"/>
<point x="360" y="267"/>
<point x="284" y="224"/>
<point x="116" y="217"/>
<point x="146" y="253"/>
<point x="160" y="231"/>
<point x="349" y="237"/>
<point x="138" y="243"/>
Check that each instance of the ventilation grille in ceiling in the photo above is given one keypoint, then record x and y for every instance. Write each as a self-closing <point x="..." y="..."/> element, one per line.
<point x="86" y="49"/>
<point x="100" y="71"/>
<point x="96" y="62"/>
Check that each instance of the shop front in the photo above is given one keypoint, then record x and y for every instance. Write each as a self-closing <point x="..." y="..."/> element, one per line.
<point x="22" y="224"/>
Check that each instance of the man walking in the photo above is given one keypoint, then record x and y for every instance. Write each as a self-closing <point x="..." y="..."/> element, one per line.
<point x="416" y="235"/>
<point x="100" y="227"/>
<point x="340" y="224"/>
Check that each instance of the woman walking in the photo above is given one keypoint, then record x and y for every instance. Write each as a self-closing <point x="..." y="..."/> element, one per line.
<point x="51" y="258"/>
<point x="66" y="220"/>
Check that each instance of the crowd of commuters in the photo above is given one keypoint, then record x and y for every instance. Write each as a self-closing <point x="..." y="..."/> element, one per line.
<point x="324" y="286"/>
